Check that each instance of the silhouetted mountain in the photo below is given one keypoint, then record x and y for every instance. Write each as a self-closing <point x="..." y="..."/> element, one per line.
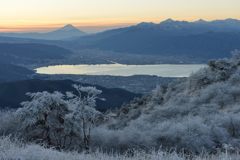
<point x="10" y="72"/>
<point x="67" y="32"/>
<point x="22" y="53"/>
<point x="13" y="93"/>
<point x="199" y="26"/>
<point x="199" y="39"/>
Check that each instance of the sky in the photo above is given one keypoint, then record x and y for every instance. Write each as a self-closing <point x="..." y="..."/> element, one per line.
<point x="96" y="15"/>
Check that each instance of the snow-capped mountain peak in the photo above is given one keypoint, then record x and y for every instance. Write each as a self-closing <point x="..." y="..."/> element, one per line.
<point x="69" y="27"/>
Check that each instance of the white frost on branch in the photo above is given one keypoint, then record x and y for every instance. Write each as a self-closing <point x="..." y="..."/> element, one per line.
<point x="58" y="120"/>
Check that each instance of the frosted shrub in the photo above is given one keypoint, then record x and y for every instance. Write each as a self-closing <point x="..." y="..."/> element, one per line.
<point x="42" y="118"/>
<point x="198" y="114"/>
<point x="16" y="150"/>
<point x="83" y="115"/>
<point x="8" y="122"/>
<point x="58" y="120"/>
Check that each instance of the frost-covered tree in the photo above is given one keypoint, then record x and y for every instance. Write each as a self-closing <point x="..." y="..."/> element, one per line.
<point x="83" y="115"/>
<point x="42" y="118"/>
<point x="58" y="120"/>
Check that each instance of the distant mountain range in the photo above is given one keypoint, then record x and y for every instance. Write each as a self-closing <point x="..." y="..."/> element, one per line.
<point x="196" y="41"/>
<point x="173" y="27"/>
<point x="199" y="39"/>
<point x="67" y="32"/>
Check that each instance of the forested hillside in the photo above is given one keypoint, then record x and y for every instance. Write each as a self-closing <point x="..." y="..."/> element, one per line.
<point x="200" y="113"/>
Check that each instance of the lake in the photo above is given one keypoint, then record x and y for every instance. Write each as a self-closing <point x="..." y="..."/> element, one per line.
<point x="162" y="70"/>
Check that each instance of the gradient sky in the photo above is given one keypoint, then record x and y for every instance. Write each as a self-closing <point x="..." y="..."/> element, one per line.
<point x="94" y="15"/>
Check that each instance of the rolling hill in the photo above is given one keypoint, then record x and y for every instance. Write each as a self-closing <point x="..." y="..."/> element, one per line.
<point x="13" y="93"/>
<point x="9" y="72"/>
<point x="30" y="53"/>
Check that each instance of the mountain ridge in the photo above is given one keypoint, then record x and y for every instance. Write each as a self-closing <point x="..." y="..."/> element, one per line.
<point x="168" y="38"/>
<point x="66" y="32"/>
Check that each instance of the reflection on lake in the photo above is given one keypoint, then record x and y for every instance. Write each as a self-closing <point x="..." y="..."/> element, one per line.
<point x="163" y="70"/>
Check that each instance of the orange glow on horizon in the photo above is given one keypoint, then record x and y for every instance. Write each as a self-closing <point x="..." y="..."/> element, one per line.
<point x="49" y="27"/>
<point x="100" y="24"/>
<point x="45" y="15"/>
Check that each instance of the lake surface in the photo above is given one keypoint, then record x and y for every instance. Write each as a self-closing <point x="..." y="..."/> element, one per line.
<point x="163" y="70"/>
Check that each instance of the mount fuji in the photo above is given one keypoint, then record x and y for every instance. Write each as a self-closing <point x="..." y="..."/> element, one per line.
<point x="66" y="32"/>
